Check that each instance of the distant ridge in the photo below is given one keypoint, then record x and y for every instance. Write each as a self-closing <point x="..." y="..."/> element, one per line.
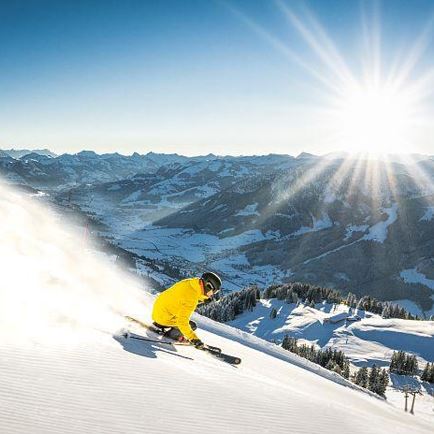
<point x="18" y="153"/>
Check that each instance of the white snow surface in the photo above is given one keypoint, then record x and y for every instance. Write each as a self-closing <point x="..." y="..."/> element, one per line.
<point x="248" y="210"/>
<point x="413" y="276"/>
<point x="378" y="232"/>
<point x="187" y="248"/>
<point x="317" y="225"/>
<point x="410" y="306"/>
<point x="370" y="340"/>
<point x="365" y="342"/>
<point x="65" y="370"/>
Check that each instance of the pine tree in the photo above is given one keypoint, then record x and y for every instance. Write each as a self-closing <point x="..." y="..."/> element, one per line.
<point x="330" y="365"/>
<point x="426" y="373"/>
<point x="403" y="363"/>
<point x="414" y="365"/>
<point x="373" y="378"/>
<point x="346" y="370"/>
<point x="394" y="362"/>
<point x="386" y="311"/>
<point x="289" y="344"/>
<point x="361" y="377"/>
<point x="381" y="383"/>
<point x="351" y="300"/>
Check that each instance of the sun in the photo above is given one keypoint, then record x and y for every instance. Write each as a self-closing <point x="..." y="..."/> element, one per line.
<point x="373" y="119"/>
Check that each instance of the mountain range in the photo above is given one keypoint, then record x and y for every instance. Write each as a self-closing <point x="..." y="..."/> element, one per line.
<point x="356" y="224"/>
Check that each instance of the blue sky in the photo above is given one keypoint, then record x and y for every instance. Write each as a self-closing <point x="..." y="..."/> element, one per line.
<point x="196" y="76"/>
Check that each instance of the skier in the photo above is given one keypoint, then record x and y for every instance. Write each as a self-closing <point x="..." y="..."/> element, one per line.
<point x="174" y="306"/>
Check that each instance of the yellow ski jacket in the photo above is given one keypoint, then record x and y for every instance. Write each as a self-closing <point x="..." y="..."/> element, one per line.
<point x="174" y="306"/>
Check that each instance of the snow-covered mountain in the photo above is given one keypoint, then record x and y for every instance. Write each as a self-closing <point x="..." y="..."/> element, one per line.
<point x="44" y="170"/>
<point x="18" y="153"/>
<point x="364" y="226"/>
<point x="66" y="368"/>
<point x="355" y="225"/>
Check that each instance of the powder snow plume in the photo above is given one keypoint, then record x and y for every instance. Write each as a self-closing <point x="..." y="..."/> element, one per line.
<point x="50" y="280"/>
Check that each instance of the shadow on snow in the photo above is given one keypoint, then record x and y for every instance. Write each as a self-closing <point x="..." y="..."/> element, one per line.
<point x="147" y="349"/>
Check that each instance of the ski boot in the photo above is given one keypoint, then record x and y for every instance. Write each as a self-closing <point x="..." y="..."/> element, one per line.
<point x="174" y="333"/>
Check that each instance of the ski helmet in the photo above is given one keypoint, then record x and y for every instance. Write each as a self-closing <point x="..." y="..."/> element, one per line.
<point x="211" y="281"/>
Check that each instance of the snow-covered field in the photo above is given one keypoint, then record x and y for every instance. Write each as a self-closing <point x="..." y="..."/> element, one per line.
<point x="65" y="370"/>
<point x="188" y="250"/>
<point x="325" y="325"/>
<point x="370" y="340"/>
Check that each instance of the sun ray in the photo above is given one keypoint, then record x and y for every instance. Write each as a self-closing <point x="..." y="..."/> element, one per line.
<point x="320" y="43"/>
<point x="283" y="48"/>
<point x="356" y="175"/>
<point x="372" y="40"/>
<point x="340" y="175"/>
<point x="391" y="180"/>
<point x="377" y="111"/>
<point x="308" y="177"/>
<point x="373" y="182"/>
<point x="418" y="173"/>
<point x="414" y="55"/>
<point x="287" y="188"/>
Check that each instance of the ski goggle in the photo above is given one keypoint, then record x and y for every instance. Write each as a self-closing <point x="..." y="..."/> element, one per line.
<point x="210" y="287"/>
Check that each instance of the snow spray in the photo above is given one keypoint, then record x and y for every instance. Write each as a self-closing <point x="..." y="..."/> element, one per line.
<point x="50" y="282"/>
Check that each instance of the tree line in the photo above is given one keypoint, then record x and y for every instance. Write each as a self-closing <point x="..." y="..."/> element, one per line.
<point x="374" y="379"/>
<point x="310" y="295"/>
<point x="428" y="373"/>
<point x="231" y="305"/>
<point x="406" y="364"/>
<point x="331" y="359"/>
<point x="403" y="363"/>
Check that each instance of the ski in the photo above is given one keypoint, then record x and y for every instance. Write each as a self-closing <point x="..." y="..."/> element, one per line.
<point x="213" y="351"/>
<point x="142" y="324"/>
<point x="232" y="360"/>
<point x="128" y="335"/>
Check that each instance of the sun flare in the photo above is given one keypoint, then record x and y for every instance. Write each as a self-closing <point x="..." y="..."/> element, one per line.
<point x="374" y="120"/>
<point x="377" y="105"/>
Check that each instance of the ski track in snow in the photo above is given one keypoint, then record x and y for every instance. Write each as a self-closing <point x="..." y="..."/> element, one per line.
<point x="105" y="386"/>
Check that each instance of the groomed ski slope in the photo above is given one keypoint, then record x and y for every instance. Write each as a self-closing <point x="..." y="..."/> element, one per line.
<point x="63" y="368"/>
<point x="101" y="385"/>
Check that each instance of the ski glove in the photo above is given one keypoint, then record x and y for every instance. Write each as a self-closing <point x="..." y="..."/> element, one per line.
<point x="198" y="344"/>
